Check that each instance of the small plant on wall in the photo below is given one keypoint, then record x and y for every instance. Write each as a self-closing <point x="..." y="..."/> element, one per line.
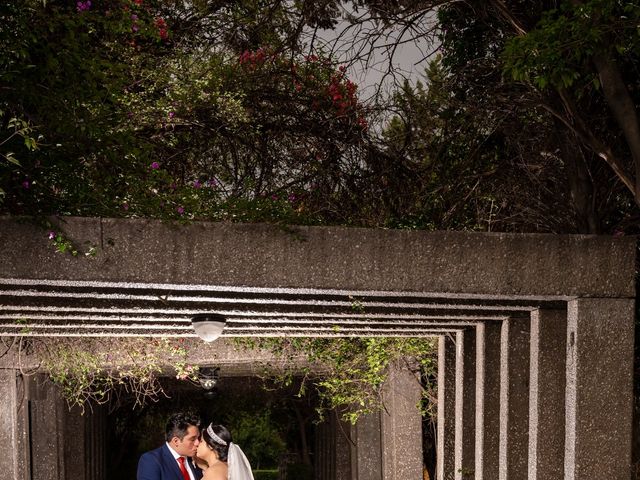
<point x="101" y="370"/>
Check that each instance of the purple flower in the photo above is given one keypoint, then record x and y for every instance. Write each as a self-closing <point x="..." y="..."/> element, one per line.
<point x="26" y="184"/>
<point x="212" y="183"/>
<point x="180" y="210"/>
<point x="197" y="184"/>
<point x="83" y="6"/>
<point x="155" y="165"/>
<point x="52" y="235"/>
<point x="171" y="114"/>
<point x="134" y="28"/>
<point x="125" y="206"/>
<point x="274" y="197"/>
<point x="134" y="17"/>
<point x="292" y="197"/>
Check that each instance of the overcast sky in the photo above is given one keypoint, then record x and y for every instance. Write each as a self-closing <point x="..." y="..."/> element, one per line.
<point x="408" y="58"/>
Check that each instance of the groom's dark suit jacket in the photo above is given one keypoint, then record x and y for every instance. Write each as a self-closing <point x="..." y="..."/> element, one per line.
<point x="159" y="464"/>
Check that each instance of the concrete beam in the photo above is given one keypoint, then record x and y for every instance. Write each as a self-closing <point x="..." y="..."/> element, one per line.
<point x="136" y="250"/>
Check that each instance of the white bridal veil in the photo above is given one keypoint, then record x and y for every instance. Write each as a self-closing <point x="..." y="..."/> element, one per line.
<point x="239" y="467"/>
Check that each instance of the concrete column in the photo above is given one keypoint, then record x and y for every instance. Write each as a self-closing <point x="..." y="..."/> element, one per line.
<point x="487" y="400"/>
<point x="342" y="451"/>
<point x="366" y="461"/>
<point x="445" y="465"/>
<point x="47" y="430"/>
<point x="599" y="392"/>
<point x="514" y="399"/>
<point x="401" y="424"/>
<point x="547" y="394"/>
<point x="14" y="461"/>
<point x="465" y="404"/>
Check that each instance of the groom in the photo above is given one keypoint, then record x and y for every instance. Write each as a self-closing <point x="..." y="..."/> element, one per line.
<point x="173" y="460"/>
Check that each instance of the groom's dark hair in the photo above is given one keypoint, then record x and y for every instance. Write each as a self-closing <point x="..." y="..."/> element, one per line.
<point x="178" y="423"/>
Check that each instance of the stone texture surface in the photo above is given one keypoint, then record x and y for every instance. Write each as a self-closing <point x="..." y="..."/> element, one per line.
<point x="367" y="457"/>
<point x="138" y="250"/>
<point x="487" y="400"/>
<point x="599" y="388"/>
<point x="514" y="399"/>
<point x="10" y="463"/>
<point x="401" y="426"/>
<point x="547" y="394"/>
<point x="451" y="265"/>
<point x="445" y="466"/>
<point x="465" y="404"/>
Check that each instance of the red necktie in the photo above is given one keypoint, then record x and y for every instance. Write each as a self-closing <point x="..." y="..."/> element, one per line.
<point x="183" y="469"/>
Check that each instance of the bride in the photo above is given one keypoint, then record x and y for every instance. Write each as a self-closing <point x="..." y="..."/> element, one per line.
<point x="225" y="460"/>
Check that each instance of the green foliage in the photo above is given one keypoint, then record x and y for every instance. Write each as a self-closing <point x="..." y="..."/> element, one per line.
<point x="137" y="124"/>
<point x="266" y="475"/>
<point x="100" y="370"/>
<point x="348" y="374"/>
<point x="524" y="73"/>
<point x="259" y="435"/>
<point x="444" y="162"/>
<point x="299" y="471"/>
<point x="557" y="52"/>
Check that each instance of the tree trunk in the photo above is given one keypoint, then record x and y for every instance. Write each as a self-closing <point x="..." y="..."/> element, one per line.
<point x="580" y="183"/>
<point x="622" y="107"/>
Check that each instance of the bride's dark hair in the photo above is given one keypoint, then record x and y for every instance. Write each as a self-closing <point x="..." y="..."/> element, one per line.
<point x="214" y="444"/>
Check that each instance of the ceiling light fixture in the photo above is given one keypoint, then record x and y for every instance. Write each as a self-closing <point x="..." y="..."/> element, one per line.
<point x="208" y="326"/>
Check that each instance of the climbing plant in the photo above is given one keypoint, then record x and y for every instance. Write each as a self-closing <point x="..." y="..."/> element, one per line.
<point x="348" y="374"/>
<point x="99" y="371"/>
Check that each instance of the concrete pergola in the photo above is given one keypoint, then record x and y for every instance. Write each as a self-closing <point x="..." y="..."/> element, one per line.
<point x="535" y="331"/>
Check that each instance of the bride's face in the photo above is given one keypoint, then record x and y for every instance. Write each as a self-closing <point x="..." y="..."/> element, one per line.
<point x="203" y="450"/>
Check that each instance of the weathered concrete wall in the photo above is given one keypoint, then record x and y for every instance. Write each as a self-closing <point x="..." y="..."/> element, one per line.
<point x="599" y="388"/>
<point x="547" y="394"/>
<point x="401" y="430"/>
<point x="14" y="462"/>
<point x="321" y="257"/>
<point x="445" y="465"/>
<point x="487" y="401"/>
